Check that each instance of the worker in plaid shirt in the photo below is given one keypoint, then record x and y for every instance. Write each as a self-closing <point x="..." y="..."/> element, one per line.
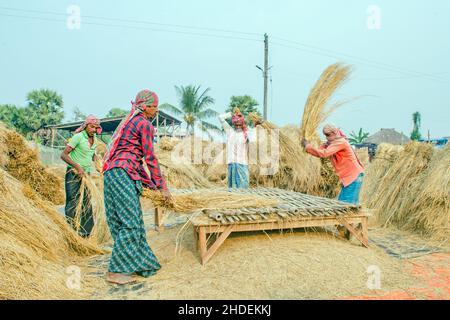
<point x="124" y="174"/>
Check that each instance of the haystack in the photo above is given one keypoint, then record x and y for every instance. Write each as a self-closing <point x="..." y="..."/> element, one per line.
<point x="182" y="166"/>
<point x="386" y="155"/>
<point x="36" y="245"/>
<point x="22" y="162"/>
<point x="429" y="205"/>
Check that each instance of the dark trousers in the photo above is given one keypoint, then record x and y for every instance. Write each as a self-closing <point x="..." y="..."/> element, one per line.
<point x="73" y="185"/>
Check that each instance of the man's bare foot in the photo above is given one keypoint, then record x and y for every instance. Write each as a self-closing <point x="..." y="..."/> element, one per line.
<point x="120" y="278"/>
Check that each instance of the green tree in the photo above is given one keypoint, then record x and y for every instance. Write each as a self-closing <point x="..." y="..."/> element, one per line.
<point x="359" y="137"/>
<point x="16" y="118"/>
<point x="116" y="112"/>
<point x="45" y="108"/>
<point x="415" y="134"/>
<point x="8" y="115"/>
<point x="78" y="115"/>
<point x="246" y="104"/>
<point x="193" y="107"/>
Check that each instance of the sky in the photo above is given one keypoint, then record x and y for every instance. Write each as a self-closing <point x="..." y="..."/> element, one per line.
<point x="398" y="51"/>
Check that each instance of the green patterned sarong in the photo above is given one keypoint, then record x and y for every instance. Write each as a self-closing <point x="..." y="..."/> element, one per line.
<point x="131" y="252"/>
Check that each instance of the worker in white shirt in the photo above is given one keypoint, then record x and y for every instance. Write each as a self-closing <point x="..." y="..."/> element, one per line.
<point x="237" y="149"/>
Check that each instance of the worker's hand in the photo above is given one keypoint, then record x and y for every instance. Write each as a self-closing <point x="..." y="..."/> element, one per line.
<point x="79" y="171"/>
<point x="304" y="143"/>
<point x="167" y="196"/>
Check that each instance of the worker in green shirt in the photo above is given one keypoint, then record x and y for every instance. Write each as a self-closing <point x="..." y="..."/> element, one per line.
<point x="79" y="155"/>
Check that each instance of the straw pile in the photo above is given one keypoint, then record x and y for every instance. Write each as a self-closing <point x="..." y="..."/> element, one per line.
<point x="178" y="166"/>
<point x="212" y="200"/>
<point x="430" y="208"/>
<point x="363" y="156"/>
<point x="3" y="147"/>
<point x="36" y="245"/>
<point x="392" y="200"/>
<point x="22" y="162"/>
<point x="386" y="155"/>
<point x="410" y="189"/>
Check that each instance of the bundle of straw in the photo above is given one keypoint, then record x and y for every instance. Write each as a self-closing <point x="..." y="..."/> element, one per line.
<point x="100" y="233"/>
<point x="167" y="143"/>
<point x="316" y="110"/>
<point x="206" y="199"/>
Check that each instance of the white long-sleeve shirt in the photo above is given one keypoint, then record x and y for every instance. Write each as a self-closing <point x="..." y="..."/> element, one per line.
<point x="237" y="146"/>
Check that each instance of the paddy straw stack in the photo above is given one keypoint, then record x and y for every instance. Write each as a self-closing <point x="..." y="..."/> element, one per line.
<point x="207" y="199"/>
<point x="429" y="211"/>
<point x="36" y="245"/>
<point x="386" y="155"/>
<point x="22" y="162"/>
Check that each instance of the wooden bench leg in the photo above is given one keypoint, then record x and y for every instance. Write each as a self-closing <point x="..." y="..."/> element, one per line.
<point x="159" y="215"/>
<point x="202" y="242"/>
<point x="359" y="235"/>
<point x="365" y="229"/>
<point x="210" y="252"/>
<point x="196" y="238"/>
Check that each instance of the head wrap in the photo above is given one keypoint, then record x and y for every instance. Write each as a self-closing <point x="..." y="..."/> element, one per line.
<point x="143" y="100"/>
<point x="90" y="120"/>
<point x="336" y="130"/>
<point x="238" y="118"/>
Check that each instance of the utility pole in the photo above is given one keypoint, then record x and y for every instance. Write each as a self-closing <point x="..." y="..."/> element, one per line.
<point x="266" y="70"/>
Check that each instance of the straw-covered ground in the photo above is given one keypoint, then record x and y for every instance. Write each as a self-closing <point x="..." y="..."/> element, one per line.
<point x="298" y="264"/>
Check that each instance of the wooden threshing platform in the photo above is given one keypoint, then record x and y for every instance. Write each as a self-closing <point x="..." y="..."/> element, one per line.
<point x="296" y="210"/>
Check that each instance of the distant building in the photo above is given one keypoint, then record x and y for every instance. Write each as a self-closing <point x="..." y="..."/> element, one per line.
<point x="388" y="136"/>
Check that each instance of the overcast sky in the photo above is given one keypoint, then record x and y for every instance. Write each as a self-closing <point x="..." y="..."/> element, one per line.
<point x="399" y="49"/>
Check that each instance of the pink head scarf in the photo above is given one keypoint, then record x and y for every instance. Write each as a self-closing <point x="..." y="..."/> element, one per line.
<point x="239" y="119"/>
<point x="91" y="119"/>
<point x="336" y="130"/>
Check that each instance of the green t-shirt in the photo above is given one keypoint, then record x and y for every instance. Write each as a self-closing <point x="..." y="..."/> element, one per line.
<point x="82" y="153"/>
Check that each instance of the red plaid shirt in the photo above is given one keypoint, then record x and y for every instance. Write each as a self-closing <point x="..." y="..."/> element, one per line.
<point x="136" y="145"/>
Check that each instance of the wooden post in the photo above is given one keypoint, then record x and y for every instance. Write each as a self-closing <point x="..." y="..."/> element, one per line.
<point x="53" y="137"/>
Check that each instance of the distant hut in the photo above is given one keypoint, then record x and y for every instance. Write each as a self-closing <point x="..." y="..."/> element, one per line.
<point x="388" y="136"/>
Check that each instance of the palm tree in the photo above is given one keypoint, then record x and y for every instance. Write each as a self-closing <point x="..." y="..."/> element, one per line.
<point x="246" y="105"/>
<point x="45" y="107"/>
<point x="194" y="109"/>
<point x="415" y="134"/>
<point x="358" y="138"/>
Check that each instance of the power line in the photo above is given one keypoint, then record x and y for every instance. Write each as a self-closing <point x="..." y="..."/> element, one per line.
<point x="332" y="53"/>
<point x="430" y="77"/>
<point x="134" y="27"/>
<point x="136" y="21"/>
